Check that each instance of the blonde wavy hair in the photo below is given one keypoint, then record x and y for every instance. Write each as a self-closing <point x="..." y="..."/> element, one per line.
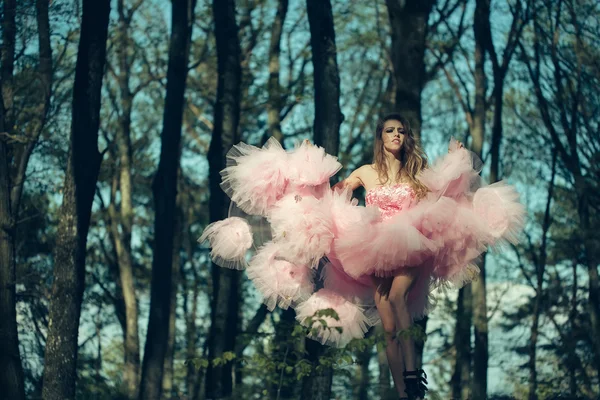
<point x="412" y="156"/>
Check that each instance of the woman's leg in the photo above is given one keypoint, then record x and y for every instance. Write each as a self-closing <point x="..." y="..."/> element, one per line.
<point x="392" y="347"/>
<point x="399" y="290"/>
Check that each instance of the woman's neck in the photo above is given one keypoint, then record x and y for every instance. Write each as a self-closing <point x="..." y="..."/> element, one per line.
<point x="394" y="165"/>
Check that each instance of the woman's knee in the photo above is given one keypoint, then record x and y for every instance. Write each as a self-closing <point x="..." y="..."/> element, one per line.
<point x="400" y="289"/>
<point x="399" y="297"/>
<point x="389" y="330"/>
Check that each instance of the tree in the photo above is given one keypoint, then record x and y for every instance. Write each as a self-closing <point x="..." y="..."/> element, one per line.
<point x="565" y="111"/>
<point x="274" y="86"/>
<point x="328" y="118"/>
<point x="78" y="193"/>
<point x="408" y="21"/>
<point x="225" y="282"/>
<point x="164" y="189"/>
<point x="15" y="151"/>
<point x="121" y="217"/>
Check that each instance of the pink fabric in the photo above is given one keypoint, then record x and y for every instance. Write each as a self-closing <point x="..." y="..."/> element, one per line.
<point x="391" y="199"/>
<point x="311" y="226"/>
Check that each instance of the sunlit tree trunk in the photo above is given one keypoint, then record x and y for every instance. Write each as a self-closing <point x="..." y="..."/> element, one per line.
<point x="122" y="219"/>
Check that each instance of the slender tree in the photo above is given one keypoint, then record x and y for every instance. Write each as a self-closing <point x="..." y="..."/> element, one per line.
<point x="478" y="131"/>
<point x="121" y="218"/>
<point x="15" y="151"/>
<point x="164" y="189"/>
<point x="274" y="86"/>
<point x="328" y="118"/>
<point x="83" y="165"/>
<point x="226" y="282"/>
<point x="168" y="376"/>
<point x="10" y="359"/>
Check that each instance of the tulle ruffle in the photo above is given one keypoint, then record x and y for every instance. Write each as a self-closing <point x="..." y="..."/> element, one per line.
<point x="282" y="283"/>
<point x="320" y="239"/>
<point x="230" y="240"/>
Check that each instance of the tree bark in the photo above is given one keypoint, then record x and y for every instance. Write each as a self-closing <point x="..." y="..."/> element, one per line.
<point x="164" y="189"/>
<point x="540" y="269"/>
<point x="274" y="87"/>
<point x="328" y="115"/>
<point x="384" y="383"/>
<point x="78" y="193"/>
<point x="316" y="386"/>
<point x="408" y="22"/>
<point x="284" y="351"/>
<point x="328" y="118"/>
<point x="225" y="301"/>
<point x="122" y="223"/>
<point x="190" y="311"/>
<point x="11" y="379"/>
<point x="168" y="377"/>
<point x="461" y="377"/>
<point x="361" y="390"/>
<point x="480" y="322"/>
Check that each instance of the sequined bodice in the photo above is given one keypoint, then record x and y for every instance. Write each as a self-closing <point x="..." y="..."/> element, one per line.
<point x="391" y="199"/>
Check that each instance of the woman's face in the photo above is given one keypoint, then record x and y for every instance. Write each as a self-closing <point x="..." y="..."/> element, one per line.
<point x="393" y="135"/>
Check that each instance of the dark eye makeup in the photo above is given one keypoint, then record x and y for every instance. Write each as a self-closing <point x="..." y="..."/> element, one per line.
<point x="390" y="130"/>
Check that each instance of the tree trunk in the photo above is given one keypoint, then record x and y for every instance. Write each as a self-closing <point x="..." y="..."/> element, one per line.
<point x="274" y="87"/>
<point x="190" y="312"/>
<point x="164" y="189"/>
<point x="461" y="377"/>
<point x="384" y="383"/>
<point x="479" y="301"/>
<point x="83" y="166"/>
<point x="540" y="268"/>
<point x="168" y="377"/>
<point x="284" y="351"/>
<point x="124" y="221"/>
<point x="316" y="386"/>
<point x="11" y="379"/>
<point x="328" y="118"/>
<point x="408" y="21"/>
<point x="361" y="390"/>
<point x="226" y="300"/>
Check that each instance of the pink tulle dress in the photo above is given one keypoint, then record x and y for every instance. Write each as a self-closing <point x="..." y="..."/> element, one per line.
<point x="324" y="248"/>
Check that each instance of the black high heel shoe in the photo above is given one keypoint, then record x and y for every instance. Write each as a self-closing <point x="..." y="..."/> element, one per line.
<point x="415" y="382"/>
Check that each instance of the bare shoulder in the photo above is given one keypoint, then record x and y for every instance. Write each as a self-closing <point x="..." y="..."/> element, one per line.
<point x="355" y="179"/>
<point x="368" y="175"/>
<point x="364" y="171"/>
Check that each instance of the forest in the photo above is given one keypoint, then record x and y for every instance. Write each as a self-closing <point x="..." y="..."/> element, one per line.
<point x="115" y="120"/>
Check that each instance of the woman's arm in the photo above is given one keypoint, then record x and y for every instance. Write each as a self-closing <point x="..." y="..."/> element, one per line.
<point x="352" y="182"/>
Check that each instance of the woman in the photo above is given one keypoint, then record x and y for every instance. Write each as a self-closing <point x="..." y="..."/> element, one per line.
<point x="423" y="226"/>
<point x="397" y="162"/>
